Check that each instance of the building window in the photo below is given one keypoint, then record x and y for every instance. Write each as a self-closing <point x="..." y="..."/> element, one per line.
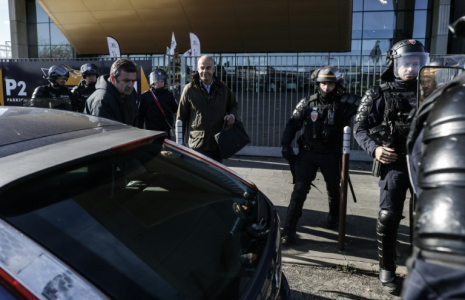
<point x="378" y="25"/>
<point x="44" y="38"/>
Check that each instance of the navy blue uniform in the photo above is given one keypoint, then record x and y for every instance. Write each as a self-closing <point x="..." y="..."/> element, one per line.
<point x="382" y="120"/>
<point x="394" y="180"/>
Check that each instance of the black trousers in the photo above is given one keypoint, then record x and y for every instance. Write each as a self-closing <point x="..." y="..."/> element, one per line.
<point x="306" y="168"/>
<point x="309" y="162"/>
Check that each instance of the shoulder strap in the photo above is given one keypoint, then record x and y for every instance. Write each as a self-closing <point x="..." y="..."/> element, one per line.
<point x="159" y="106"/>
<point x="385" y="86"/>
<point x="313" y="100"/>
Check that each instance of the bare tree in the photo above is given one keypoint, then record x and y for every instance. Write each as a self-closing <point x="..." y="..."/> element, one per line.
<point x="56" y="51"/>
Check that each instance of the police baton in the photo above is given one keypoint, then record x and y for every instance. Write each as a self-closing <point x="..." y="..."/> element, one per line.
<point x="344" y="182"/>
<point x="352" y="189"/>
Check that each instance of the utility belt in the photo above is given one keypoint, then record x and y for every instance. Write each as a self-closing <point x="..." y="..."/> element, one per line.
<point x="310" y="147"/>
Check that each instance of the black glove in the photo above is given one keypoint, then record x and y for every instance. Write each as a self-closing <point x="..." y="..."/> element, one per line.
<point x="288" y="152"/>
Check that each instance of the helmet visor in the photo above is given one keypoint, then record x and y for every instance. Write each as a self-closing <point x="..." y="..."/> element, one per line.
<point x="89" y="69"/>
<point x="156" y="76"/>
<point x="406" y="67"/>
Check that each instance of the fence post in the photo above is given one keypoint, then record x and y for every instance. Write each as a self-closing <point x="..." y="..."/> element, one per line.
<point x="344" y="182"/>
<point x="183" y="73"/>
<point x="179" y="137"/>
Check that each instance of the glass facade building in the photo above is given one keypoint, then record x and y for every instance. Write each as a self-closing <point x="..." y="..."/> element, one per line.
<point x="376" y="26"/>
<point x="45" y="40"/>
<point x="385" y="22"/>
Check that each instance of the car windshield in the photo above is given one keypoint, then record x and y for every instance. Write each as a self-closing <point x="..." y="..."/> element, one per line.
<point x="146" y="223"/>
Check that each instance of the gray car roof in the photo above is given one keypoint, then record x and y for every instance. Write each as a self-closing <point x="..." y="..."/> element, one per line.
<point x="28" y="163"/>
<point x="19" y="124"/>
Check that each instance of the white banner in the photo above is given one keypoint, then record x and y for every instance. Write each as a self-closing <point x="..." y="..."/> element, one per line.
<point x="113" y="47"/>
<point x="195" y="49"/>
<point x="195" y="45"/>
<point x="173" y="44"/>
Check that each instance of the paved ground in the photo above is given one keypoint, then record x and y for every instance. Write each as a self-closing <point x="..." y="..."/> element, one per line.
<point x="312" y="263"/>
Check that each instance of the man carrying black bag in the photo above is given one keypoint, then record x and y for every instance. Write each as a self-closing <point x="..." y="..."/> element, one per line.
<point x="323" y="116"/>
<point x="206" y="103"/>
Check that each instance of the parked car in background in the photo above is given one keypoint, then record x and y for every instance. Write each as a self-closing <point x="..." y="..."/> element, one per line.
<point x="95" y="209"/>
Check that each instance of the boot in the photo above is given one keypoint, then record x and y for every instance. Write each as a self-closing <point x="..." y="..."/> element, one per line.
<point x="389" y="281"/>
<point x="332" y="221"/>
<point x="334" y="196"/>
<point x="294" y="212"/>
<point x="386" y="231"/>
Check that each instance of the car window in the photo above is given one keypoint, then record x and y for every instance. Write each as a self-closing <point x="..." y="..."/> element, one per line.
<point x="5" y="294"/>
<point x="150" y="223"/>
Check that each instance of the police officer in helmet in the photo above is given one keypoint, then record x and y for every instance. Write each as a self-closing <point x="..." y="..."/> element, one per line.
<point x="382" y="124"/>
<point x="158" y="106"/>
<point x="56" y="94"/>
<point x="86" y="87"/>
<point x="323" y="116"/>
<point x="435" y="146"/>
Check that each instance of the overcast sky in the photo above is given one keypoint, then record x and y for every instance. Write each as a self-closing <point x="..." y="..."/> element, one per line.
<point x="4" y="22"/>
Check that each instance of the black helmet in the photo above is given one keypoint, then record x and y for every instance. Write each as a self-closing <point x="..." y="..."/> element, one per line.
<point x="157" y="75"/>
<point x="328" y="74"/>
<point x="55" y="71"/>
<point x="89" y="69"/>
<point x="399" y="53"/>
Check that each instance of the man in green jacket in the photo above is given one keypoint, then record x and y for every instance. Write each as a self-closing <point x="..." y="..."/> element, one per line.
<point x="206" y="104"/>
<point x="112" y="98"/>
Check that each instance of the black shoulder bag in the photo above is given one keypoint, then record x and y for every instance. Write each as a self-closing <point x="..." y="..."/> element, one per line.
<point x="231" y="139"/>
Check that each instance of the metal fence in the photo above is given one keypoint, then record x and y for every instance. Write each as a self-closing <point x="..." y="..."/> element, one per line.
<point x="268" y="87"/>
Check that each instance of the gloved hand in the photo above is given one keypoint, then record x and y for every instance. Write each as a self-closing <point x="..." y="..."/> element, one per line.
<point x="288" y="152"/>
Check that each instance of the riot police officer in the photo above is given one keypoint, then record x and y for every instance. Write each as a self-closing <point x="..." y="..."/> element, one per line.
<point x="86" y="87"/>
<point x="435" y="145"/>
<point x="56" y="94"/>
<point x="158" y="106"/>
<point x="323" y="116"/>
<point x="381" y="127"/>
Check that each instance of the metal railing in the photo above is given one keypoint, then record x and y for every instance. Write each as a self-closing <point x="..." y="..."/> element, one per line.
<point x="268" y="87"/>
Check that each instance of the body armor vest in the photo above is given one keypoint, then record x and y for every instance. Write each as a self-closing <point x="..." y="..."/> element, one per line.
<point x="320" y="124"/>
<point x="48" y="97"/>
<point x="395" y="126"/>
<point x="82" y="92"/>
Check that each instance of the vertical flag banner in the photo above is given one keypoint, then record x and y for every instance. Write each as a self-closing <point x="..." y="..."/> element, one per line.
<point x="195" y="48"/>
<point x="113" y="47"/>
<point x="173" y="45"/>
<point x="195" y="45"/>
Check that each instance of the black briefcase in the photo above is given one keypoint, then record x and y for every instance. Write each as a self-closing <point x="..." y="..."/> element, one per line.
<point x="231" y="139"/>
